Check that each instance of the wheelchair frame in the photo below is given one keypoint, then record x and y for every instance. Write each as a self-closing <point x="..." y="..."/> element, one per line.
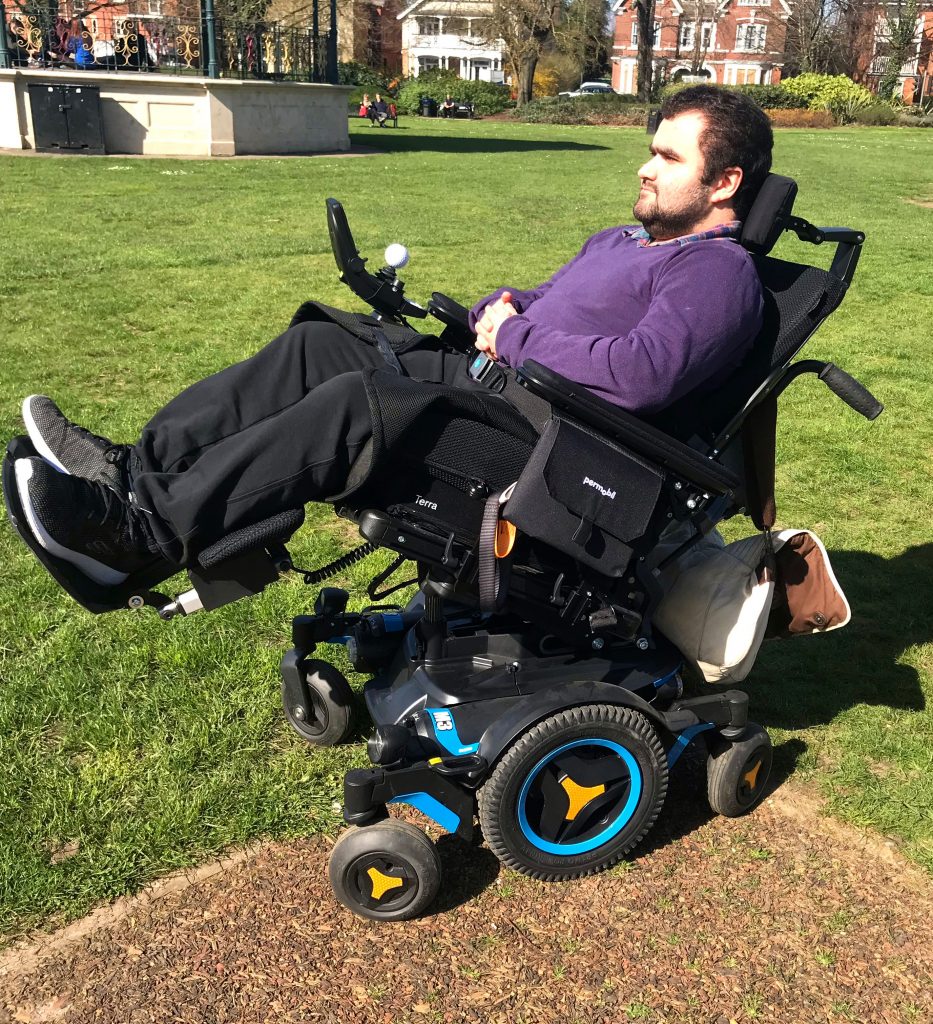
<point x="460" y="695"/>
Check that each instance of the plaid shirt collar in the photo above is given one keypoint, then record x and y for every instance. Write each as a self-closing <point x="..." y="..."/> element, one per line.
<point x="730" y="229"/>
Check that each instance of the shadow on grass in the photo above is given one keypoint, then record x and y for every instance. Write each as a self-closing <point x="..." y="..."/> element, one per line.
<point x="811" y="680"/>
<point x="402" y="140"/>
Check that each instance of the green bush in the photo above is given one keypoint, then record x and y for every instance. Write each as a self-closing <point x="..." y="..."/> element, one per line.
<point x="772" y="97"/>
<point x="876" y="114"/>
<point x="838" y="94"/>
<point x="486" y="97"/>
<point x="768" y="97"/>
<point x="601" y="108"/>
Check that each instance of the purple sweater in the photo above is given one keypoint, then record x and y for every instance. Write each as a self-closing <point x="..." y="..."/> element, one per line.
<point x="639" y="325"/>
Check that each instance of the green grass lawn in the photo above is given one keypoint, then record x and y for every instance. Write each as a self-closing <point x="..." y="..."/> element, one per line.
<point x="129" y="747"/>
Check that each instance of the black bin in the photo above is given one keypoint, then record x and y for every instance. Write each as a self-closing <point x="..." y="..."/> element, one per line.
<point x="654" y="119"/>
<point x="428" y="107"/>
<point x="66" y="117"/>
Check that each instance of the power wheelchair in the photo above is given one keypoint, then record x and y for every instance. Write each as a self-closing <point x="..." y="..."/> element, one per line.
<point x="524" y="683"/>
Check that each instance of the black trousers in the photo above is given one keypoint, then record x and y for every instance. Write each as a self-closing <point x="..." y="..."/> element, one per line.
<point x="271" y="433"/>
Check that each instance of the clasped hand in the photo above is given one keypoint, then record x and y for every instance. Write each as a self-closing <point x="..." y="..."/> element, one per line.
<point x="493" y="317"/>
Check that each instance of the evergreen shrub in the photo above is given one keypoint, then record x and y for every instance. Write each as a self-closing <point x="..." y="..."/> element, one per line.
<point x="486" y="97"/>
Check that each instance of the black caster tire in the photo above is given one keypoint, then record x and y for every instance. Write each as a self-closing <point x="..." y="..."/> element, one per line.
<point x="737" y="772"/>
<point x="575" y="792"/>
<point x="385" y="872"/>
<point x="331" y="701"/>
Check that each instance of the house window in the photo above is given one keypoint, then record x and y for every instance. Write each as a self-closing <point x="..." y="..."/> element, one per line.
<point x="746" y="76"/>
<point x="706" y="35"/>
<point x="429" y="26"/>
<point x="750" y="38"/>
<point x="656" y="41"/>
<point x="428" y="64"/>
<point x="155" y="8"/>
<point x="754" y="3"/>
<point x="687" y="35"/>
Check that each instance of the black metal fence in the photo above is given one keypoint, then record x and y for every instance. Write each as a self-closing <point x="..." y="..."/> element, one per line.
<point x="39" y="36"/>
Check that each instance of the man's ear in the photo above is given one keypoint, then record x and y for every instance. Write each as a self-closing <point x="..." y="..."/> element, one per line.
<point x="727" y="185"/>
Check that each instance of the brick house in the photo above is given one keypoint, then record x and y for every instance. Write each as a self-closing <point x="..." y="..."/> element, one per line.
<point x="916" y="77"/>
<point x="731" y="42"/>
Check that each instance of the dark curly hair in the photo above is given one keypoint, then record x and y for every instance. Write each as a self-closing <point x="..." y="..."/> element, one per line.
<point x="738" y="134"/>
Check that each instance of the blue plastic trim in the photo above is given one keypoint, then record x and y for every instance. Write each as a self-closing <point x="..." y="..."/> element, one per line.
<point x="393" y="622"/>
<point x="625" y="815"/>
<point x="430" y="806"/>
<point x="658" y="683"/>
<point x="449" y="739"/>
<point x="684" y="740"/>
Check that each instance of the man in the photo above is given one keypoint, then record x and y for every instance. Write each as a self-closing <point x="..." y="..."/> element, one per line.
<point x="379" y="111"/>
<point x="448" y="107"/>
<point x="641" y="316"/>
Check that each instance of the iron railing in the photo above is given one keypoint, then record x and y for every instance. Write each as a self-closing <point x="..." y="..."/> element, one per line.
<point x="36" y="35"/>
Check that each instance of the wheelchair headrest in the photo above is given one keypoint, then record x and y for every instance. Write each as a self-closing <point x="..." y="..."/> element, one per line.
<point x="766" y="219"/>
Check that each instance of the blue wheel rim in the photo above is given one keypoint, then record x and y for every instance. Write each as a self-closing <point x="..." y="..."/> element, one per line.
<point x="627" y="782"/>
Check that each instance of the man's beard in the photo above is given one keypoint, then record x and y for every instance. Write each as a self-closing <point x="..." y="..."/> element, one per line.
<point x="675" y="221"/>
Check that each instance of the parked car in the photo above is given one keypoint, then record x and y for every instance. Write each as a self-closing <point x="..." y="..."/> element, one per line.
<point x="589" y="89"/>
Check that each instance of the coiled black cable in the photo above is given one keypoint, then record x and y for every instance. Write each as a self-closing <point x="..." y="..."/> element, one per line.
<point x="312" y="576"/>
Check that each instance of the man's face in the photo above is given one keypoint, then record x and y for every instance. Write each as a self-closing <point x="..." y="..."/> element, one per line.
<point x="673" y="198"/>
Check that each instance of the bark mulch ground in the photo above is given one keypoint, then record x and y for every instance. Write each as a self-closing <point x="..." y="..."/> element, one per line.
<point x="779" y="916"/>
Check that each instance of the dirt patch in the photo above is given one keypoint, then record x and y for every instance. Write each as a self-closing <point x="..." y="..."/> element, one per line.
<point x="926" y="203"/>
<point x="717" y="920"/>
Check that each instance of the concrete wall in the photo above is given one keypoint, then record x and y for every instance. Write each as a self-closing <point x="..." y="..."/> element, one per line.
<point x="163" y="115"/>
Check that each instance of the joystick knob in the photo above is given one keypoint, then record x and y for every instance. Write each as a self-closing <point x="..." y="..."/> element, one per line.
<point x="396" y="256"/>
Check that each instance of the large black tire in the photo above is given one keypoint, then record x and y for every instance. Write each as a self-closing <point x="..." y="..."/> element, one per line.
<point x="330" y="701"/>
<point x="737" y="772"/>
<point x="386" y="872"/>
<point x="575" y="793"/>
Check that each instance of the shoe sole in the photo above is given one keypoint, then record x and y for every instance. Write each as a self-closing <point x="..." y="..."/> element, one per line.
<point x="94" y="570"/>
<point x="35" y="435"/>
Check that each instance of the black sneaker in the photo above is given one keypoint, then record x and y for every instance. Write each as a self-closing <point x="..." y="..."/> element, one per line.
<point x="83" y="522"/>
<point x="72" y="449"/>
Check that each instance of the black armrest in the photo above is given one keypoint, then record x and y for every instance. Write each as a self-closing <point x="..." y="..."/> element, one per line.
<point x="622" y="426"/>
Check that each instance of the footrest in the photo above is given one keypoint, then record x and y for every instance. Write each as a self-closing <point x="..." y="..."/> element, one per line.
<point x="134" y="592"/>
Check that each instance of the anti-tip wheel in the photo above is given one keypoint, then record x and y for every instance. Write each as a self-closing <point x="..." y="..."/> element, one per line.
<point x="389" y="871"/>
<point x="737" y="772"/>
<point x="325" y="717"/>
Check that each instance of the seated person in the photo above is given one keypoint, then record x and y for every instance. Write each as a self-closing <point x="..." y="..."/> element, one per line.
<point x="641" y="316"/>
<point x="448" y="107"/>
<point x="379" y="111"/>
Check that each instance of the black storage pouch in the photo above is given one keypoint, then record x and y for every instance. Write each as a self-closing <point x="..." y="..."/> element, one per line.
<point x="585" y="496"/>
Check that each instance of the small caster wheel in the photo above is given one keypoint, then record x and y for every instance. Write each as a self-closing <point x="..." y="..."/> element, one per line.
<point x="737" y="772"/>
<point x="386" y="872"/>
<point x="324" y="717"/>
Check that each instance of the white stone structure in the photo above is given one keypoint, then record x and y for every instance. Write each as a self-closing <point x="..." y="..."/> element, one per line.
<point x="453" y="36"/>
<point x="167" y="115"/>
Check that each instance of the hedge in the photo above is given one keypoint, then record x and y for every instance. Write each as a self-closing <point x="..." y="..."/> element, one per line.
<point x="600" y="108"/>
<point x="486" y="97"/>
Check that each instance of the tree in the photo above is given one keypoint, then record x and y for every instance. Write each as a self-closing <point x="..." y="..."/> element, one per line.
<point x="809" y="43"/>
<point x="645" y="11"/>
<point x="526" y="27"/>
<point x="900" y="44"/>
<point x="583" y="37"/>
<point x="698" y="13"/>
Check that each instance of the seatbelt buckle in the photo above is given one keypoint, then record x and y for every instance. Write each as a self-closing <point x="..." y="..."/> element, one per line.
<point x="487" y="372"/>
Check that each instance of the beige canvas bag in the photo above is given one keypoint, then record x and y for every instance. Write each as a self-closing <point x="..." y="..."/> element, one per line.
<point x="719" y="610"/>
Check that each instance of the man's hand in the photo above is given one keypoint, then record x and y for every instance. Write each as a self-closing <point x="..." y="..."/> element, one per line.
<point x="488" y="327"/>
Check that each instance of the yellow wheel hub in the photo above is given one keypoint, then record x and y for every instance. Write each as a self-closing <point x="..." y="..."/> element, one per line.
<point x="382" y="883"/>
<point x="579" y="796"/>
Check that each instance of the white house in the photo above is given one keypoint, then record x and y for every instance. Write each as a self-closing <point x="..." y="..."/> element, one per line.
<point x="451" y="35"/>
